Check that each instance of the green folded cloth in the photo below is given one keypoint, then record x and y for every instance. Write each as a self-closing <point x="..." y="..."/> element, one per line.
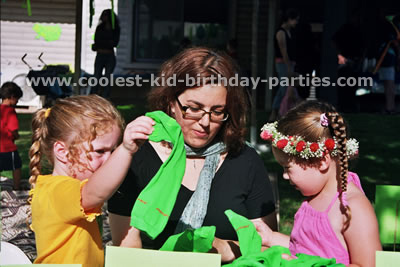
<point x="272" y="257"/>
<point x="154" y="204"/>
<point x="191" y="240"/>
<point x="249" y="240"/>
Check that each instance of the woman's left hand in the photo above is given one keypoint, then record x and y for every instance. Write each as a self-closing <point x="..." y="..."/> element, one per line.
<point x="228" y="249"/>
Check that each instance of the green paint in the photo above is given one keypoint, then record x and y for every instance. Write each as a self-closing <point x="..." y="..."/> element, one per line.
<point x="48" y="32"/>
<point x="112" y="15"/>
<point x="28" y="6"/>
<point x="91" y="11"/>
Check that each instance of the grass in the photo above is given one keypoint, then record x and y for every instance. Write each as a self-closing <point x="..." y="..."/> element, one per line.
<point x="378" y="163"/>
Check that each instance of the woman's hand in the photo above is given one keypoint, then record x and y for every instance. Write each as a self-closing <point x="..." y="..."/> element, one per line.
<point x="228" y="249"/>
<point x="137" y="132"/>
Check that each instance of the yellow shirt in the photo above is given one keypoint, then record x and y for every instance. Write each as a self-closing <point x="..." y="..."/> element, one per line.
<point x="64" y="232"/>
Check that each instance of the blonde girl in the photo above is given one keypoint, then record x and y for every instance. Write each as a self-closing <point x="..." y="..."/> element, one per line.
<point x="336" y="220"/>
<point x="80" y="137"/>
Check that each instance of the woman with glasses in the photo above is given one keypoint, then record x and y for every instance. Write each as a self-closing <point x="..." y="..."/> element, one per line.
<point x="225" y="172"/>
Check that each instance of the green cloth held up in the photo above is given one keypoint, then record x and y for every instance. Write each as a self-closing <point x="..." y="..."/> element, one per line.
<point x="249" y="240"/>
<point x="272" y="257"/>
<point x="154" y="204"/>
<point x="191" y="240"/>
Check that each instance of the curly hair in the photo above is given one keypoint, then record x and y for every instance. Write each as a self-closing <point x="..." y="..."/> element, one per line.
<point x="74" y="120"/>
<point x="203" y="63"/>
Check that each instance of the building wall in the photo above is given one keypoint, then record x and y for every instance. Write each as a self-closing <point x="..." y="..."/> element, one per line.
<point x="18" y="36"/>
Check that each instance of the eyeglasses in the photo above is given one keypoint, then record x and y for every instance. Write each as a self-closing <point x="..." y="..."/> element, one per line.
<point x="198" y="113"/>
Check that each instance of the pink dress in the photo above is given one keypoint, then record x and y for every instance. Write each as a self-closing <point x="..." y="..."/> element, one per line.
<point x="312" y="232"/>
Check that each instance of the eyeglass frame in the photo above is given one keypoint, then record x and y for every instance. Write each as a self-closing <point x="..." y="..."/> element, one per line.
<point x="184" y="108"/>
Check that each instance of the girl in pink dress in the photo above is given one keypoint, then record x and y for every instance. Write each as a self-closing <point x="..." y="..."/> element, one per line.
<point x="336" y="220"/>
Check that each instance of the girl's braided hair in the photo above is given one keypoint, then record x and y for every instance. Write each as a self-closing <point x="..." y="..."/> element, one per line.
<point x="305" y="120"/>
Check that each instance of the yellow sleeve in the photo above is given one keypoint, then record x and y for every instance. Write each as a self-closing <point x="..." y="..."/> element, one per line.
<point x="66" y="198"/>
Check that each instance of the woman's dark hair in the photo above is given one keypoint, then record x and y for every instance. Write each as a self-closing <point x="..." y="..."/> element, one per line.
<point x="203" y="63"/>
<point x="106" y="19"/>
<point x="10" y="89"/>
<point x="290" y="14"/>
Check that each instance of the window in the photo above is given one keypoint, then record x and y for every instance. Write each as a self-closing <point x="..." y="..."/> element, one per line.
<point x="161" y="28"/>
<point x="158" y="29"/>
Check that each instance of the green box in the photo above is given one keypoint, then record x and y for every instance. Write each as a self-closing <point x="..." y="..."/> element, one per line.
<point x="387" y="209"/>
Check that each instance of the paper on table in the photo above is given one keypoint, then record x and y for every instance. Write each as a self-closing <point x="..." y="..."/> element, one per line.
<point x="119" y="256"/>
<point x="387" y="258"/>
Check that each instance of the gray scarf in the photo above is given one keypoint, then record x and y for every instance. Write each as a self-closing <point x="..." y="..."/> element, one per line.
<point x="195" y="211"/>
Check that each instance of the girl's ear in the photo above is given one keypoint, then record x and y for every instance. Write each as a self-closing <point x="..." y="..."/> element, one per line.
<point x="60" y="151"/>
<point x="325" y="162"/>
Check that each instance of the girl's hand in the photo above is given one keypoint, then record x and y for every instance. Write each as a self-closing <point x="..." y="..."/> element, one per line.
<point x="265" y="232"/>
<point x="137" y="132"/>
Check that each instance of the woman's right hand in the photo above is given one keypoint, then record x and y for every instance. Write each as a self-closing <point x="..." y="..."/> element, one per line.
<point x="137" y="132"/>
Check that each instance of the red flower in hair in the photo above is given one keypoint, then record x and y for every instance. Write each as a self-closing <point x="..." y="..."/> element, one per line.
<point x="300" y="146"/>
<point x="282" y="143"/>
<point x="330" y="144"/>
<point x="266" y="135"/>
<point x="314" y="147"/>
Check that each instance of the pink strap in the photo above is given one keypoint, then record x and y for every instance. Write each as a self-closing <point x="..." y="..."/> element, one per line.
<point x="332" y="202"/>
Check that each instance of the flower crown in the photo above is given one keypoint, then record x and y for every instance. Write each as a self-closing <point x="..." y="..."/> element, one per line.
<point x="297" y="146"/>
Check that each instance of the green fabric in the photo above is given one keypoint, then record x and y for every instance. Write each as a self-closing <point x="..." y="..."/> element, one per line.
<point x="99" y="220"/>
<point x="191" y="240"/>
<point x="312" y="261"/>
<point x="272" y="257"/>
<point x="249" y="240"/>
<point x="154" y="205"/>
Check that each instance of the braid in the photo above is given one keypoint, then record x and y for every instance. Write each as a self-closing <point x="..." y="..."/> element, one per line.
<point x="340" y="133"/>
<point x="35" y="152"/>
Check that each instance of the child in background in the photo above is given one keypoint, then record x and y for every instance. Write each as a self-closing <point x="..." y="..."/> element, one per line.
<point x="79" y="136"/>
<point x="10" y="93"/>
<point x="336" y="220"/>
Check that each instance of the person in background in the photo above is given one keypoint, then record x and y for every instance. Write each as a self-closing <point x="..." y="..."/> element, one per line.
<point x="10" y="93"/>
<point x="351" y="49"/>
<point x="389" y="59"/>
<point x="105" y="39"/>
<point x="219" y="163"/>
<point x="311" y="143"/>
<point x="284" y="56"/>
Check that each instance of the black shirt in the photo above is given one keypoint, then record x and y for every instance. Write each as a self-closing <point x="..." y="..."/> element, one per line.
<point x="106" y="38"/>
<point x="290" y="48"/>
<point x="241" y="184"/>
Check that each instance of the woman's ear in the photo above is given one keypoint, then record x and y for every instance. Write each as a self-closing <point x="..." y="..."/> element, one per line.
<point x="172" y="108"/>
<point x="60" y="151"/>
<point x="325" y="162"/>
